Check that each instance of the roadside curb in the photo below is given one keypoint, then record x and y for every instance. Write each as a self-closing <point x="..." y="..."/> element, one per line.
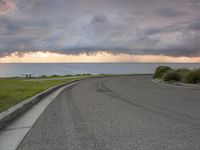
<point x="176" y="84"/>
<point x="12" y="113"/>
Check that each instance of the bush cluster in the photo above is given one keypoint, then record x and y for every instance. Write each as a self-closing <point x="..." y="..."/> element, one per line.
<point x="185" y="75"/>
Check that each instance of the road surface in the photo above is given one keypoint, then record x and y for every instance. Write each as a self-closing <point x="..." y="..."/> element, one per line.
<point x="119" y="113"/>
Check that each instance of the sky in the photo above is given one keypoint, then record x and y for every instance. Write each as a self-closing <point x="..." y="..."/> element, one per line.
<point x="99" y="30"/>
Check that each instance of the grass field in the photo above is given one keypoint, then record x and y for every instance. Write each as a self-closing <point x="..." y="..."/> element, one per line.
<point x="15" y="90"/>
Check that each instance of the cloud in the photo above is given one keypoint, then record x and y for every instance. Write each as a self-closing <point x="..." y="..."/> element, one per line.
<point x="196" y="2"/>
<point x="195" y="25"/>
<point x="171" y="12"/>
<point x="116" y="26"/>
<point x="99" y="19"/>
<point x="5" y="6"/>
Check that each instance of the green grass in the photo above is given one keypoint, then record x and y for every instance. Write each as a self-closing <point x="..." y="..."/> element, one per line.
<point x="15" y="90"/>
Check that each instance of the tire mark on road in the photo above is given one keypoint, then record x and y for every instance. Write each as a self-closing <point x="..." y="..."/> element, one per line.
<point x="149" y="107"/>
<point x="85" y="136"/>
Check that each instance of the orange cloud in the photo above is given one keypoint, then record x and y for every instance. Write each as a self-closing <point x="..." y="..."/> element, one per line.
<point x="6" y="5"/>
<point x="44" y="57"/>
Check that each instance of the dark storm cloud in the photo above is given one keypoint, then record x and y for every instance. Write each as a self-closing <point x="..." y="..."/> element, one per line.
<point x="157" y="27"/>
<point x="196" y="2"/>
<point x="99" y="18"/>
<point x="176" y="27"/>
<point x="195" y="25"/>
<point x="171" y="12"/>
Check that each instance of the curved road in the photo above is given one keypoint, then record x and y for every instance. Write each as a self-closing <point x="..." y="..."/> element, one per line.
<point x="119" y="113"/>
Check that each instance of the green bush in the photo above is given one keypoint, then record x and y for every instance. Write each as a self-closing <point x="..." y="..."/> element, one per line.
<point x="192" y="77"/>
<point x="160" y="71"/>
<point x="171" y="75"/>
<point x="181" y="75"/>
<point x="55" y="75"/>
<point x="42" y="76"/>
<point x="182" y="72"/>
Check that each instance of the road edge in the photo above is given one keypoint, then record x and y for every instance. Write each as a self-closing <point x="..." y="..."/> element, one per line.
<point x="12" y="113"/>
<point x="176" y="84"/>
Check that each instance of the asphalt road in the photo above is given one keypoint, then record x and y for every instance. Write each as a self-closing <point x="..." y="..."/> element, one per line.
<point x="119" y="113"/>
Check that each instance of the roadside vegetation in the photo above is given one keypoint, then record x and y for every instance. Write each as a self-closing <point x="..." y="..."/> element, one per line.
<point x="183" y="75"/>
<point x="16" y="89"/>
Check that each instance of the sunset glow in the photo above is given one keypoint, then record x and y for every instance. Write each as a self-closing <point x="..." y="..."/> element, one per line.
<point x="99" y="31"/>
<point x="43" y="57"/>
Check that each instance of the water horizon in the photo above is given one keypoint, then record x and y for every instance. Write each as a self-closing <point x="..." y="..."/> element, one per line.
<point x="39" y="69"/>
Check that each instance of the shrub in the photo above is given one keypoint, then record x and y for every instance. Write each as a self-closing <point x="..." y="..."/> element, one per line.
<point x="182" y="72"/>
<point x="54" y="76"/>
<point x="42" y="76"/>
<point x="192" y="76"/>
<point x="171" y="75"/>
<point x="160" y="71"/>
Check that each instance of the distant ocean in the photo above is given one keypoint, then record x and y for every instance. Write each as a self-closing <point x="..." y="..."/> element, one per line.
<point x="38" y="69"/>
